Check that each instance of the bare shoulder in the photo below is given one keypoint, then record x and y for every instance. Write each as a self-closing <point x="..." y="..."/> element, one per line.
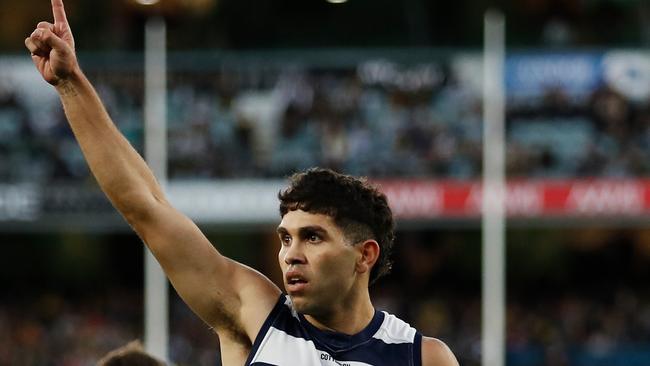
<point x="436" y="353"/>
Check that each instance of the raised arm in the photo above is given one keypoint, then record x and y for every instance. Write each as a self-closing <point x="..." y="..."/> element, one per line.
<point x="225" y="294"/>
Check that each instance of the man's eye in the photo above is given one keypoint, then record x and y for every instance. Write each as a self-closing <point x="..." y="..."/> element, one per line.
<point x="313" y="238"/>
<point x="286" y="240"/>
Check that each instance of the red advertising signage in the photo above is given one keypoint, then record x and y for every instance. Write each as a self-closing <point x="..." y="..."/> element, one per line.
<point x="550" y="198"/>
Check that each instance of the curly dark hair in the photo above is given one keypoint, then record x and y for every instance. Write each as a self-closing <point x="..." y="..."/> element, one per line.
<point x="358" y="208"/>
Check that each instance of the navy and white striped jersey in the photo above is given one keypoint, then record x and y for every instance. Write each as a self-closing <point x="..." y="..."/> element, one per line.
<point x="288" y="339"/>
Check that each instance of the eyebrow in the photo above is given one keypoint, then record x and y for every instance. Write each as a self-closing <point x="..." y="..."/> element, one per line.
<point x="303" y="231"/>
<point x="281" y="230"/>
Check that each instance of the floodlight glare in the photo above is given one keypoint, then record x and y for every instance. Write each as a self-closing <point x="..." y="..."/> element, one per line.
<point x="337" y="1"/>
<point x="147" y="2"/>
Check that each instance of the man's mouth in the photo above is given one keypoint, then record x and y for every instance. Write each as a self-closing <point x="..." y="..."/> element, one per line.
<point x="296" y="282"/>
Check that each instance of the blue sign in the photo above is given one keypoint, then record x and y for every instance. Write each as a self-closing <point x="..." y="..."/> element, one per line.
<point x="534" y="74"/>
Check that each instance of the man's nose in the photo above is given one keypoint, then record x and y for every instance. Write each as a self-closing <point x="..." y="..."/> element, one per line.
<point x="294" y="254"/>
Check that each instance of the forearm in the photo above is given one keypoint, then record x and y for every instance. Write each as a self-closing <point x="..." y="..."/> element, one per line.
<point x="120" y="171"/>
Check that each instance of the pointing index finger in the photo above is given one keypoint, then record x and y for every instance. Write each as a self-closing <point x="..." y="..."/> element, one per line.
<point x="59" y="12"/>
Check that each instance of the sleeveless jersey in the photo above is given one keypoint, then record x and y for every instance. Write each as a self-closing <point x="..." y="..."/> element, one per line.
<point x="288" y="339"/>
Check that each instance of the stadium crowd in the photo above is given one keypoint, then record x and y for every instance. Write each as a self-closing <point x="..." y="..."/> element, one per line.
<point x="420" y="123"/>
<point x="51" y="330"/>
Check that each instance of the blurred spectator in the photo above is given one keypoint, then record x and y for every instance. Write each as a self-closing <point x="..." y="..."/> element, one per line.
<point x="132" y="354"/>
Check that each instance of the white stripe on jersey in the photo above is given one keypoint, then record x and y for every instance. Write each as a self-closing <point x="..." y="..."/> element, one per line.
<point x="289" y="305"/>
<point x="394" y="330"/>
<point x="280" y="348"/>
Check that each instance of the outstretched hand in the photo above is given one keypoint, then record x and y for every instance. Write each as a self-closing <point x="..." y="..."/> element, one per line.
<point x="52" y="47"/>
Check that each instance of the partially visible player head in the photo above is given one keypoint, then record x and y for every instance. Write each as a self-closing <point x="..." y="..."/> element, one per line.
<point x="133" y="354"/>
<point x="330" y="223"/>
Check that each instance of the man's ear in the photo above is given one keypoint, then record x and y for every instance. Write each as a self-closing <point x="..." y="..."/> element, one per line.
<point x="369" y="251"/>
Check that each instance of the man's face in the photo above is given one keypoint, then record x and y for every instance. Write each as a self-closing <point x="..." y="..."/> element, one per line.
<point x="317" y="262"/>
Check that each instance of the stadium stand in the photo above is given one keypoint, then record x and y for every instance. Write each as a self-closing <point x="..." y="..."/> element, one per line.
<point x="375" y="118"/>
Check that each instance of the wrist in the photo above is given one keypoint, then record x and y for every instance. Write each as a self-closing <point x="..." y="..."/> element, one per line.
<point x="69" y="85"/>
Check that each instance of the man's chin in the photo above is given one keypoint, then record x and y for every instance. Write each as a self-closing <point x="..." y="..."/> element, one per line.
<point x="300" y="303"/>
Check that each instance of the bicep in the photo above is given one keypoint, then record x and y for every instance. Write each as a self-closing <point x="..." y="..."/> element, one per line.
<point x="436" y="353"/>
<point x="223" y="292"/>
